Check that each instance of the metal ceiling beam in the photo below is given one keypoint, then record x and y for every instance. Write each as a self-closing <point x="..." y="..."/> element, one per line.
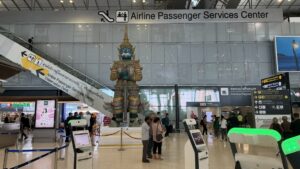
<point x="62" y="5"/>
<point x="291" y="5"/>
<point x="85" y="4"/>
<point x="97" y="5"/>
<point x="108" y="4"/>
<point x="50" y="4"/>
<point x="14" y="2"/>
<point x="27" y="4"/>
<point x="120" y="4"/>
<point x="280" y="3"/>
<point x="5" y="6"/>
<point x="246" y="4"/>
<point x="269" y="4"/>
<point x="257" y="4"/>
<point x="38" y="3"/>
<point x="74" y="6"/>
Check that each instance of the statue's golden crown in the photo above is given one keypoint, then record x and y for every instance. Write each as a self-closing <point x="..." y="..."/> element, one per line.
<point x="126" y="43"/>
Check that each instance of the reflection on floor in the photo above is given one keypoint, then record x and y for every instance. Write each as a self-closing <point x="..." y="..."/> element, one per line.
<point x="220" y="156"/>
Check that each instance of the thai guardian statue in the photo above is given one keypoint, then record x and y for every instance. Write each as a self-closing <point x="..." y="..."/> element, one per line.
<point x="126" y="71"/>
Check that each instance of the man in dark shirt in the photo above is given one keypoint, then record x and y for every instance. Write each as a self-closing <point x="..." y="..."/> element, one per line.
<point x="23" y="126"/>
<point x="295" y="125"/>
<point x="67" y="126"/>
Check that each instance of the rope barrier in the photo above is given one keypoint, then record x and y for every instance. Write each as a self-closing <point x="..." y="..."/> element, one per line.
<point x="132" y="136"/>
<point x="37" y="158"/>
<point x="105" y="135"/>
<point x="33" y="150"/>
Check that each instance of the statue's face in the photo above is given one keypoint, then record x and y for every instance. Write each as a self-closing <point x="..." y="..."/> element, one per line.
<point x="126" y="53"/>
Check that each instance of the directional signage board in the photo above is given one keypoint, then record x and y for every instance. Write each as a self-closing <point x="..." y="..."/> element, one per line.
<point x="269" y="104"/>
<point x="278" y="82"/>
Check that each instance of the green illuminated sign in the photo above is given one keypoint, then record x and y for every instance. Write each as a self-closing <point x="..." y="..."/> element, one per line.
<point x="251" y="131"/>
<point x="20" y="105"/>
<point x="291" y="145"/>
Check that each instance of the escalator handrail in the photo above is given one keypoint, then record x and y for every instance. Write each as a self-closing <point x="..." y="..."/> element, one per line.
<point x="83" y="77"/>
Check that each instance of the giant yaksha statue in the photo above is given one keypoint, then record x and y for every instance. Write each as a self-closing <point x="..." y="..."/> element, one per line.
<point x="126" y="71"/>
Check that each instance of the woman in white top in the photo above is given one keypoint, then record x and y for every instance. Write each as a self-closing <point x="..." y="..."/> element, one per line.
<point x="224" y="128"/>
<point x="157" y="131"/>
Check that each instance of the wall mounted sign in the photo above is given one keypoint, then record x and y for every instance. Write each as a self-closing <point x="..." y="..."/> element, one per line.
<point x="143" y="16"/>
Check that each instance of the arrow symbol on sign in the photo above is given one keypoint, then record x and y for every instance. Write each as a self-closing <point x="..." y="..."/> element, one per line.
<point x="24" y="54"/>
<point x="39" y="72"/>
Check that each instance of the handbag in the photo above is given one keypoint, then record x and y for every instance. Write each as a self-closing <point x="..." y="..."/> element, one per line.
<point x="159" y="137"/>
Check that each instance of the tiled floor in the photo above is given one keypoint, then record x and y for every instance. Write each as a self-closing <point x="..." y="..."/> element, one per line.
<point x="220" y="156"/>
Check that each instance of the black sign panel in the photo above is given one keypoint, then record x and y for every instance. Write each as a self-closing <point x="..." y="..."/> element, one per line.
<point x="272" y="102"/>
<point x="202" y="104"/>
<point x="237" y="95"/>
<point x="278" y="82"/>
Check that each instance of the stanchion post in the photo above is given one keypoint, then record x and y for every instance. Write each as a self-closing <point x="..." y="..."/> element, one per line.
<point x="5" y="158"/>
<point x="121" y="148"/>
<point x="61" y="151"/>
<point x="55" y="158"/>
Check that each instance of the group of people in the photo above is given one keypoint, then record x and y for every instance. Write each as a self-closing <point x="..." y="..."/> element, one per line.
<point x="152" y="136"/>
<point x="222" y="125"/>
<point x="287" y="129"/>
<point x="91" y="119"/>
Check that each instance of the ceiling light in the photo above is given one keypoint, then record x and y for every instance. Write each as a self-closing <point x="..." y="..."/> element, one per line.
<point x="289" y="0"/>
<point x="61" y="1"/>
<point x="134" y="1"/>
<point x="144" y="1"/>
<point x="0" y="2"/>
<point x="71" y="1"/>
<point x="279" y="0"/>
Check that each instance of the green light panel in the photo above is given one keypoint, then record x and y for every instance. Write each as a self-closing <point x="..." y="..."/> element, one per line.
<point x="291" y="145"/>
<point x="251" y="131"/>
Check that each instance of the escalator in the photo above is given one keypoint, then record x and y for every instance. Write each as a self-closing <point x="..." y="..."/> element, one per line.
<point x="56" y="73"/>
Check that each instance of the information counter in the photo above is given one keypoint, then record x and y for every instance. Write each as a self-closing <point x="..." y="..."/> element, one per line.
<point x="9" y="133"/>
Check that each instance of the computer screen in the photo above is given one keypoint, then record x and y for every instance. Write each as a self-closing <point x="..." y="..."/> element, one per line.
<point x="197" y="138"/>
<point x="82" y="140"/>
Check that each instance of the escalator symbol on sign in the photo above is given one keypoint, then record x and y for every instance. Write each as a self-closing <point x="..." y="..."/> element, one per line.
<point x="105" y="16"/>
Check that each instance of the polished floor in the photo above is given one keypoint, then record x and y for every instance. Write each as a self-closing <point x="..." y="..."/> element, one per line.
<point x="220" y="156"/>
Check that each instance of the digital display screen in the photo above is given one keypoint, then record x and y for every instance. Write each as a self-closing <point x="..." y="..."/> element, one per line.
<point x="198" y="138"/>
<point x="287" y="53"/>
<point x="82" y="140"/>
<point x="45" y="114"/>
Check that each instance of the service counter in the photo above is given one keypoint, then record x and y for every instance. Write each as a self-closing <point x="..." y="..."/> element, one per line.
<point x="111" y="136"/>
<point x="9" y="133"/>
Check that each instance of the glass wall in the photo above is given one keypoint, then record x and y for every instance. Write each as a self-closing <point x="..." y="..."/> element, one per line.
<point x="159" y="99"/>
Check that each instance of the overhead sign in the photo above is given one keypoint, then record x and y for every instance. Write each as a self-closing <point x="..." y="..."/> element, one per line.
<point x="192" y="16"/>
<point x="278" y="82"/>
<point x="143" y="16"/>
<point x="269" y="104"/>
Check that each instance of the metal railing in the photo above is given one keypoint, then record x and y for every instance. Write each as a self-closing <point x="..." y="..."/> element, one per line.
<point x="53" y="60"/>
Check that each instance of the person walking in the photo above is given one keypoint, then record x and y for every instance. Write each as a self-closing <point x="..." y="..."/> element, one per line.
<point x="157" y="130"/>
<point x="23" y="122"/>
<point x="295" y="125"/>
<point x="93" y="121"/>
<point x="224" y="128"/>
<point x="276" y="126"/>
<point x="30" y="42"/>
<point x="203" y="123"/>
<point x="67" y="127"/>
<point x="166" y="123"/>
<point x="150" y="142"/>
<point x="216" y="124"/>
<point x="286" y="127"/>
<point x="145" y="138"/>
